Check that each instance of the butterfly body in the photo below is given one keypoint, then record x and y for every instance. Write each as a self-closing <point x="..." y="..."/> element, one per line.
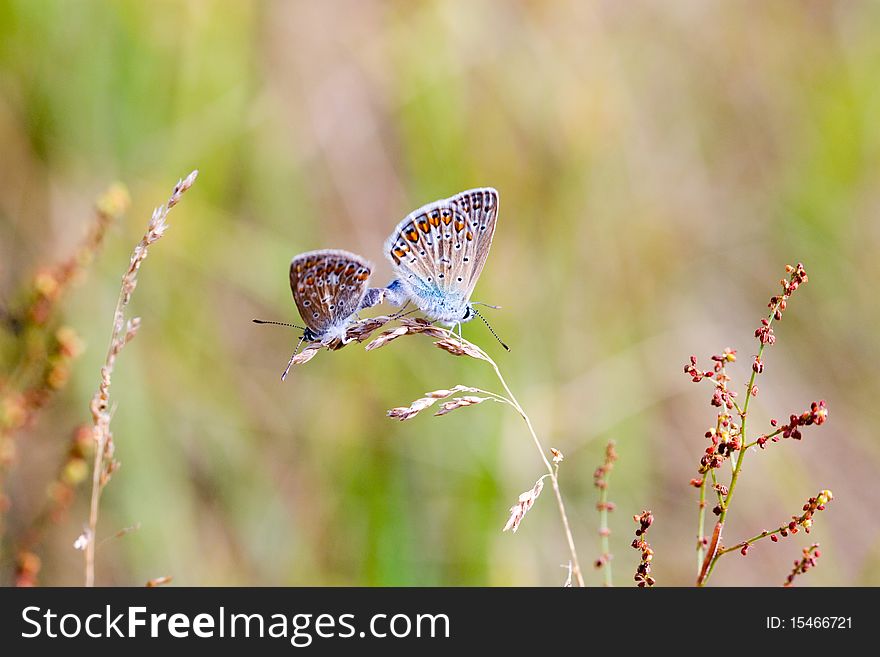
<point x="438" y="252"/>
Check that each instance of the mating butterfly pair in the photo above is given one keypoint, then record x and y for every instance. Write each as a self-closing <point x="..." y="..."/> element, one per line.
<point x="437" y="254"/>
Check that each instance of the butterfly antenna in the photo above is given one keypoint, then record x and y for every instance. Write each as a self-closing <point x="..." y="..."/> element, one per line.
<point x="290" y="362"/>
<point x="488" y="305"/>
<point x="267" y="321"/>
<point x="491" y="330"/>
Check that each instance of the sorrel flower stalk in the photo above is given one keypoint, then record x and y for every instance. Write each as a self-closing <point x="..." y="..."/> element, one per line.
<point x="729" y="437"/>
<point x="806" y="562"/>
<point x="43" y="350"/>
<point x="643" y="572"/>
<point x="600" y="481"/>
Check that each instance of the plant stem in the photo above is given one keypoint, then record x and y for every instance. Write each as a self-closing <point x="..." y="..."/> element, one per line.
<point x="768" y="436"/>
<point x="701" y="527"/>
<point x="122" y="333"/>
<point x="725" y="507"/>
<point x="604" y="542"/>
<point x="102" y="431"/>
<point x="575" y="563"/>
<point x="754" y="539"/>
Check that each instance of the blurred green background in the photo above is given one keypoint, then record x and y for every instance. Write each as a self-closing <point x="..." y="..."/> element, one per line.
<point x="658" y="164"/>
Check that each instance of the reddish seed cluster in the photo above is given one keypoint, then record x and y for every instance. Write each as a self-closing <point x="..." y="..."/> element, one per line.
<point x="808" y="560"/>
<point x="723" y="398"/>
<point x="814" y="504"/>
<point x="816" y="415"/>
<point x="48" y="374"/>
<point x="600" y="481"/>
<point x="643" y="572"/>
<point x="27" y="568"/>
<point x="797" y="276"/>
<point x="603" y="470"/>
<point x="717" y="372"/>
<point x="50" y="283"/>
<point x="697" y="375"/>
<point x="725" y="442"/>
<point x="764" y="333"/>
<point x="805" y="520"/>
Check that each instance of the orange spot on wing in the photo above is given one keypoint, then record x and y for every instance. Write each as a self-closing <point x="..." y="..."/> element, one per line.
<point x="423" y="226"/>
<point x="364" y="275"/>
<point x="469" y="235"/>
<point x="459" y="225"/>
<point x="412" y="235"/>
<point x="310" y="280"/>
<point x="446" y="216"/>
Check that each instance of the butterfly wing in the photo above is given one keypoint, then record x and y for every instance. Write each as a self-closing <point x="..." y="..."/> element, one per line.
<point x="439" y="251"/>
<point x="480" y="206"/>
<point x="328" y="286"/>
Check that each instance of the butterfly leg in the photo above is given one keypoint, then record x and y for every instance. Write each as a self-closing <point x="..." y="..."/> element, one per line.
<point x="400" y="312"/>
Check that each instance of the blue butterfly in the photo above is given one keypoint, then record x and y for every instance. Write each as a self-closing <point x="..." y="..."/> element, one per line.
<point x="438" y="252"/>
<point x="329" y="287"/>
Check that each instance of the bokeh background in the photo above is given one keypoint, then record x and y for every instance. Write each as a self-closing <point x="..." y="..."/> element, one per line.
<point x="658" y="164"/>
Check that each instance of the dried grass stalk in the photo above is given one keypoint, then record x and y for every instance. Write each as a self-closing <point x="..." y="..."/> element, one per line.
<point x="460" y="402"/>
<point x="460" y="348"/>
<point x="408" y="412"/>
<point x="457" y="346"/>
<point x="305" y="355"/>
<point x="403" y="413"/>
<point x="359" y="331"/>
<point x="407" y="327"/>
<point x="522" y="506"/>
<point x="123" y="332"/>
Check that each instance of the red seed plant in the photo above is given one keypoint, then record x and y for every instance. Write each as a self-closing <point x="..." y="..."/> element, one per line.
<point x="603" y="506"/>
<point x="37" y="353"/>
<point x="729" y="440"/>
